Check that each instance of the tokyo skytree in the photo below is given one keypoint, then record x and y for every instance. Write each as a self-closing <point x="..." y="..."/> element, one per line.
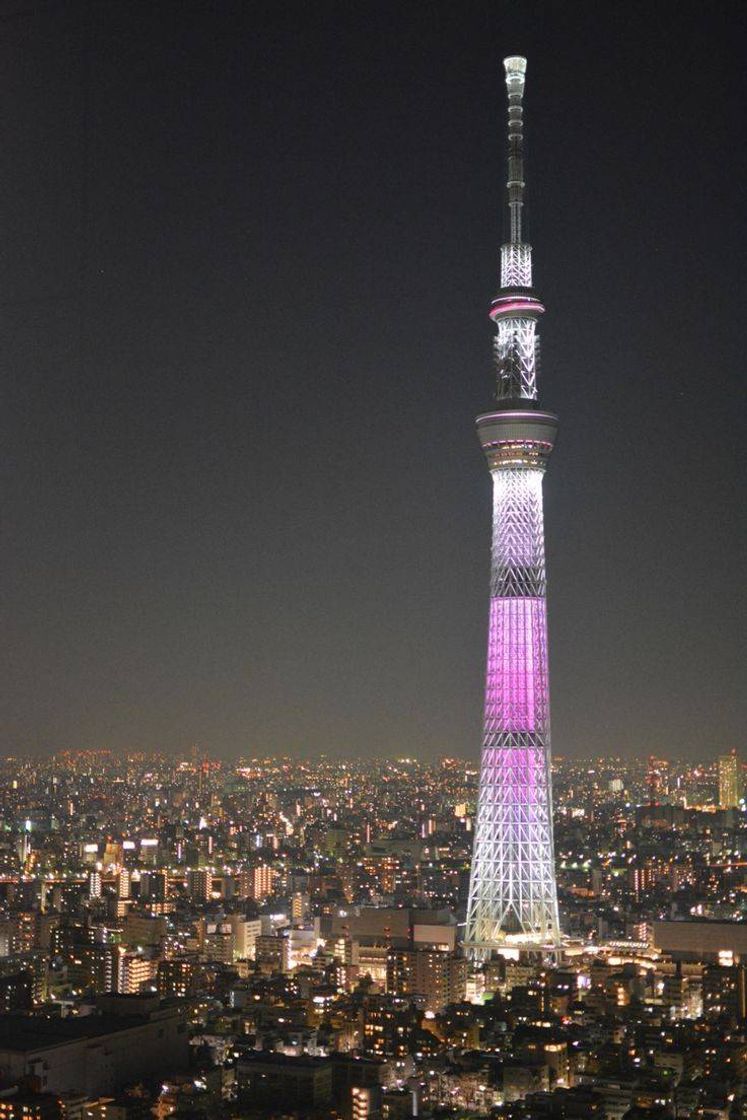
<point x="512" y="894"/>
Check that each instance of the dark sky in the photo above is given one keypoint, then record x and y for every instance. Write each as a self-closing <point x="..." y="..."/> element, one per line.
<point x="247" y="255"/>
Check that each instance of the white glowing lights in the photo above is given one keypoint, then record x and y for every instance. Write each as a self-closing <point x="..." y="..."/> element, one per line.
<point x="512" y="886"/>
<point x="512" y="896"/>
<point x="515" y="359"/>
<point x="516" y="266"/>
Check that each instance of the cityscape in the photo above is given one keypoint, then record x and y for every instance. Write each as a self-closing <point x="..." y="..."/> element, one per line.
<point x="192" y="937"/>
<point x="514" y="933"/>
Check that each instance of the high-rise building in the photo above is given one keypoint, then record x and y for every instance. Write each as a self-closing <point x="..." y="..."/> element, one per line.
<point x="657" y="776"/>
<point x="199" y="884"/>
<point x="257" y="882"/>
<point x="17" y="933"/>
<point x="245" y="932"/>
<point x="725" y="992"/>
<point x="364" y="1102"/>
<point x="299" y="906"/>
<point x="674" y="993"/>
<point x="272" y="952"/>
<point x="154" y="887"/>
<point x="34" y="964"/>
<point x="640" y="879"/>
<point x="90" y="968"/>
<point x="218" y="942"/>
<point x="439" y="978"/>
<point x="134" y="972"/>
<point x="512" y="895"/>
<point x="179" y="977"/>
<point x="729" y="784"/>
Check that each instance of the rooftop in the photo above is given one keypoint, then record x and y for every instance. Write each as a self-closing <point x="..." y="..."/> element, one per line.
<point x="36" y="1032"/>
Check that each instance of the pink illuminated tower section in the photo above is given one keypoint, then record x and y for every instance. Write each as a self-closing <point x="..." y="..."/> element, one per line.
<point x="512" y="895"/>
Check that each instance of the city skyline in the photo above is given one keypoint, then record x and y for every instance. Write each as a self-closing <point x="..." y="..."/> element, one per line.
<point x="175" y="933"/>
<point x="244" y="268"/>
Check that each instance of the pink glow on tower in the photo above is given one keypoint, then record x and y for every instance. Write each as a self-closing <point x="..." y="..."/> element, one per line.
<point x="512" y="894"/>
<point x="516" y="678"/>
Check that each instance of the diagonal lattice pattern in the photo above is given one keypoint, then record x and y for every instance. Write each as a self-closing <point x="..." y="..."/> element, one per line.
<point x="515" y="347"/>
<point x="516" y="266"/>
<point x="518" y="552"/>
<point x="512" y="884"/>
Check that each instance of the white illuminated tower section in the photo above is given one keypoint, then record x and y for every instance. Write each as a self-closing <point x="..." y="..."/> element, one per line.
<point x="512" y="894"/>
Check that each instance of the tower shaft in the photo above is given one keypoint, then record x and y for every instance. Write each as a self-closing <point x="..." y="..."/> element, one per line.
<point x="513" y="896"/>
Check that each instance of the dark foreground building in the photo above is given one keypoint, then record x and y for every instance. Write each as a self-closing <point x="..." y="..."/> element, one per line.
<point x="273" y="1081"/>
<point x="95" y="1054"/>
<point x="347" y="1086"/>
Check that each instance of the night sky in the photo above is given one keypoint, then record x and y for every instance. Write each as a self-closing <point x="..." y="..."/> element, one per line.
<point x="247" y="256"/>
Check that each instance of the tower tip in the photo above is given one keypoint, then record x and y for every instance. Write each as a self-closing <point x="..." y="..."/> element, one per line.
<point x="515" y="65"/>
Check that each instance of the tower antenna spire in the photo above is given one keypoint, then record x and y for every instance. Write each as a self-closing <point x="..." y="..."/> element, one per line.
<point x="516" y="309"/>
<point x="516" y="67"/>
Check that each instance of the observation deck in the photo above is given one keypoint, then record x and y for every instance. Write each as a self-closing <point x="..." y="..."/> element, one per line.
<point x="517" y="437"/>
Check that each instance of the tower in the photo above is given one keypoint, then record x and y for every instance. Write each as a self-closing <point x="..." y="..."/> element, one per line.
<point x="729" y="791"/>
<point x="512" y="894"/>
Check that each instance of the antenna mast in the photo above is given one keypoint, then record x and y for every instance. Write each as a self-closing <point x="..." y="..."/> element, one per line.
<point x="516" y="68"/>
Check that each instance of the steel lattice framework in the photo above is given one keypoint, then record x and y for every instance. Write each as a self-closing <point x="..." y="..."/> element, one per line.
<point x="513" y="897"/>
<point x="515" y="349"/>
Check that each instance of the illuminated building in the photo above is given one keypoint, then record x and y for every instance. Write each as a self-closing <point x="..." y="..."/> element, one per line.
<point x="17" y="933"/>
<point x="729" y="791"/>
<point x="199" y="884"/>
<point x="299" y="907"/>
<point x="439" y="978"/>
<point x="674" y="993"/>
<point x="273" y="952"/>
<point x="364" y="1103"/>
<point x="245" y="932"/>
<point x="134" y="972"/>
<point x="179" y="978"/>
<point x="257" y="883"/>
<point x="31" y="1106"/>
<point x="641" y="880"/>
<point x="383" y="870"/>
<point x="218" y="941"/>
<point x="113" y="854"/>
<point x="725" y="992"/>
<point x="35" y="965"/>
<point x="128" y="1107"/>
<point x="148" y="850"/>
<point x="123" y="884"/>
<point x="90" y="968"/>
<point x="356" y="1087"/>
<point x="387" y="1022"/>
<point x="512" y="894"/>
<point x="657" y="777"/>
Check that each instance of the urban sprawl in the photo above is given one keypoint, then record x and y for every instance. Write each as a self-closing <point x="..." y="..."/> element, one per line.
<point x="276" y="937"/>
